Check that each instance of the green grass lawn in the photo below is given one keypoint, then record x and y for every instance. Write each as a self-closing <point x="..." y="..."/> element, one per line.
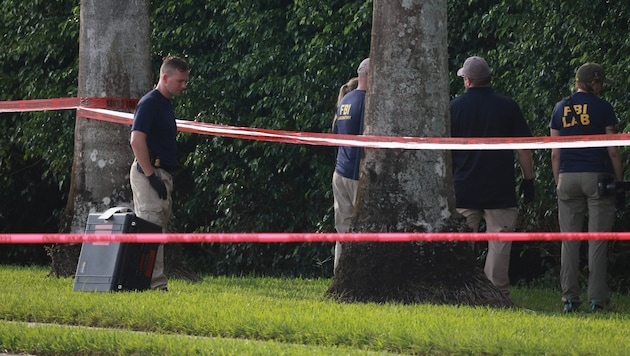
<point x="271" y="316"/>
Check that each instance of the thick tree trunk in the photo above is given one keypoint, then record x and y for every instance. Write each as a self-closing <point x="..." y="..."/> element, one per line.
<point x="409" y="191"/>
<point x="114" y="61"/>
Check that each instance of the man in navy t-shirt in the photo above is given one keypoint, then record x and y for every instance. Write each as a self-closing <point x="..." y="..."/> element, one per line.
<point x="154" y="145"/>
<point x="484" y="180"/>
<point x="576" y="172"/>
<point x="348" y="121"/>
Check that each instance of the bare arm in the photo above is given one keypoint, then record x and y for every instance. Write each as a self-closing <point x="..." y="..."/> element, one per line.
<point x="140" y="149"/>
<point x="526" y="162"/>
<point x="615" y="157"/>
<point x="555" y="157"/>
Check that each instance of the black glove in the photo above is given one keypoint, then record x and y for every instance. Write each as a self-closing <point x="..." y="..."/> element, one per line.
<point x="158" y="185"/>
<point x="620" y="198"/>
<point x="526" y="189"/>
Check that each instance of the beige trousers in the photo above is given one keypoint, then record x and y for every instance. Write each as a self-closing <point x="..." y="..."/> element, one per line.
<point x="345" y="195"/>
<point x="498" y="260"/>
<point x="148" y="206"/>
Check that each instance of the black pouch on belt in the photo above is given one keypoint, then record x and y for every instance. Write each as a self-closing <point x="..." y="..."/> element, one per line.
<point x="139" y="168"/>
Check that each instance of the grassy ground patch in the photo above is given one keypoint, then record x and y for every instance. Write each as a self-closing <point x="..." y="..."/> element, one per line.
<point x="221" y="315"/>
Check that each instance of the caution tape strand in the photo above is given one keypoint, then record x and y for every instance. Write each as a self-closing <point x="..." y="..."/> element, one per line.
<point x="368" y="141"/>
<point x="32" y="238"/>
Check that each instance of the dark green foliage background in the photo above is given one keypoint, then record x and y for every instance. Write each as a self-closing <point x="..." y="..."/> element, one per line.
<point x="277" y="65"/>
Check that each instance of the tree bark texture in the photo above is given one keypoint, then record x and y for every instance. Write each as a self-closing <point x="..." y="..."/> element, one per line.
<point x="409" y="190"/>
<point x="114" y="61"/>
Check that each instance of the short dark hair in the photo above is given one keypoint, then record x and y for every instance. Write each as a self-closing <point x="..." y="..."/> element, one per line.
<point x="171" y="63"/>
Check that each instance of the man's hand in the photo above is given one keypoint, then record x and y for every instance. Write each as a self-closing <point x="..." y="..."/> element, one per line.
<point x="620" y="197"/>
<point x="526" y="189"/>
<point x="158" y="185"/>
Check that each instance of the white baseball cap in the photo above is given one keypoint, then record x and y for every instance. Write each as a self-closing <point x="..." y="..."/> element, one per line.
<point x="364" y="66"/>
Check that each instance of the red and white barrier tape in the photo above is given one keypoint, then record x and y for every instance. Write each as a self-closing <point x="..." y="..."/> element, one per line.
<point x="411" y="143"/>
<point x="95" y="108"/>
<point x="306" y="237"/>
<point x="92" y="108"/>
<point x="67" y="104"/>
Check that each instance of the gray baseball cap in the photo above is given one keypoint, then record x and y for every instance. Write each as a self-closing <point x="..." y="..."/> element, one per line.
<point x="475" y="68"/>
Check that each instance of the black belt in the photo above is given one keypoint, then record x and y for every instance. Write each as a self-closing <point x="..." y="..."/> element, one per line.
<point x="169" y="169"/>
<point x="156" y="162"/>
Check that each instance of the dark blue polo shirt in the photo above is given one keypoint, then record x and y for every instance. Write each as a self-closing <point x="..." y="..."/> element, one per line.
<point x="583" y="114"/>
<point x="485" y="179"/>
<point x="155" y="117"/>
<point x="349" y="121"/>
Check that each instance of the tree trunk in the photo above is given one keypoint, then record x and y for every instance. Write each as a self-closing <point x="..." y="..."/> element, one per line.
<point x="409" y="190"/>
<point x="114" y="61"/>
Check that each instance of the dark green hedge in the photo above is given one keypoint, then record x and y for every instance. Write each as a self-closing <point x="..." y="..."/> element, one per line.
<point x="277" y="65"/>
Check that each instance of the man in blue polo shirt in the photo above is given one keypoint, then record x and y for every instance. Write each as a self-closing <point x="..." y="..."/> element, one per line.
<point x="154" y="145"/>
<point x="484" y="180"/>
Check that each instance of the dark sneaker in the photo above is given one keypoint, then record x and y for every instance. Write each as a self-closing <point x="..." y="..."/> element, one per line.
<point x="596" y="307"/>
<point x="570" y="307"/>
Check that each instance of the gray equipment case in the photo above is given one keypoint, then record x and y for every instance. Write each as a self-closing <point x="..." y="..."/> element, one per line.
<point x="116" y="266"/>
